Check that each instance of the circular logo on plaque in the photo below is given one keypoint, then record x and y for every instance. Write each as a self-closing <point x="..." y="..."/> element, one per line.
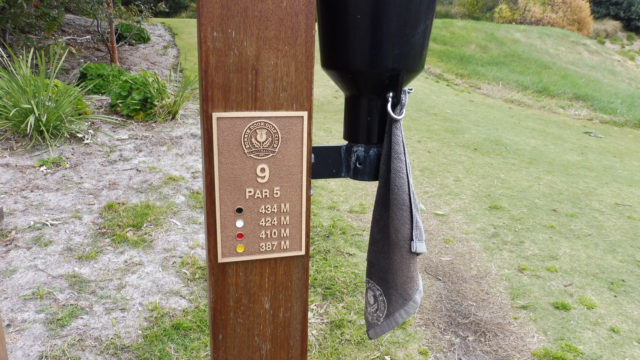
<point x="375" y="307"/>
<point x="261" y="139"/>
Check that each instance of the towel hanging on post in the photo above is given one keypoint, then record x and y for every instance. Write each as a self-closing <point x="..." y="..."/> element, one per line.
<point x="394" y="286"/>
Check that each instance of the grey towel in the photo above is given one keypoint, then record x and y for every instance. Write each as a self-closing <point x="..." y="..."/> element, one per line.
<point x="394" y="286"/>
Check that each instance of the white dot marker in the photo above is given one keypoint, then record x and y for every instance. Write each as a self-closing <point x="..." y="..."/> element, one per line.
<point x="239" y="223"/>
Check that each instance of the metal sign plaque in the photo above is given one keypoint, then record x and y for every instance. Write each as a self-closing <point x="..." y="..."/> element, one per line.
<point x="260" y="163"/>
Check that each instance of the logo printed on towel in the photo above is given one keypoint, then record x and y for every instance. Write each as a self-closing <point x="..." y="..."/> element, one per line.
<point x="261" y="139"/>
<point x="376" y="306"/>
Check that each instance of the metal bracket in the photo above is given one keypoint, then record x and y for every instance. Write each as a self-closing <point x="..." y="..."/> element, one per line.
<point x="356" y="161"/>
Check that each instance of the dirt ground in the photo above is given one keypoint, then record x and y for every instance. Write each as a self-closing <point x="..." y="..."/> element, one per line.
<point x="52" y="217"/>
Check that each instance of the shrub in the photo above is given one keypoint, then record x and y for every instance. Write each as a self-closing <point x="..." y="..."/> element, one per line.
<point x="188" y="87"/>
<point x="504" y="14"/>
<point x="627" y="11"/>
<point x="132" y="34"/>
<point x="36" y="105"/>
<point x="100" y="78"/>
<point x="476" y="9"/>
<point x="606" y="28"/>
<point x="573" y="15"/>
<point x="19" y="17"/>
<point x="139" y="96"/>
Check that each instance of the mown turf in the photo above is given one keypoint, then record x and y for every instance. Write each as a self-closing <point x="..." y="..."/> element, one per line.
<point x="547" y="61"/>
<point x="186" y="37"/>
<point x="533" y="188"/>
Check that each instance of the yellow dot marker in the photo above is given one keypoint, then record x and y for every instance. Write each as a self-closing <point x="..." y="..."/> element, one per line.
<point x="240" y="248"/>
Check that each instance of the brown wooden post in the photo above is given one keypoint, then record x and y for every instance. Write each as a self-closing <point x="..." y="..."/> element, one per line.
<point x="255" y="56"/>
<point x="3" y="343"/>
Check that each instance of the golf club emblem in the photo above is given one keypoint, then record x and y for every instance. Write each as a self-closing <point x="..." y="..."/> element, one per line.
<point x="375" y="307"/>
<point x="261" y="139"/>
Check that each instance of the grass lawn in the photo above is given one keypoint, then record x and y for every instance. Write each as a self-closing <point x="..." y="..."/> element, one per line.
<point x="186" y="36"/>
<point x="555" y="209"/>
<point x="547" y="61"/>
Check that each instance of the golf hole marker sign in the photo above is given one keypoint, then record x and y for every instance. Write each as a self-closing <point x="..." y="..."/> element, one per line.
<point x="260" y="166"/>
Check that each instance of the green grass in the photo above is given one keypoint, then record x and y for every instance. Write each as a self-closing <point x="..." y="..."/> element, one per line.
<point x="186" y="37"/>
<point x="196" y="200"/>
<point x="51" y="162"/>
<point x="78" y="281"/>
<point x="132" y="224"/>
<point x="588" y="302"/>
<point x="562" y="305"/>
<point x="469" y="152"/>
<point x="64" y="316"/>
<point x="547" y="61"/>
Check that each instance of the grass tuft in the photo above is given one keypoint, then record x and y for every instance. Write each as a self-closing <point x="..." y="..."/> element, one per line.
<point x="34" y="104"/>
<point x="131" y="224"/>
<point x="615" y="329"/>
<point x="562" y="305"/>
<point x="64" y="316"/>
<point x="552" y="269"/>
<point x="588" y="302"/>
<point x="51" y="162"/>
<point x="196" y="200"/>
<point x="564" y="351"/>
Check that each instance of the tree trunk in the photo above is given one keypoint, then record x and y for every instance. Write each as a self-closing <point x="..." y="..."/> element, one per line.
<point x="113" y="48"/>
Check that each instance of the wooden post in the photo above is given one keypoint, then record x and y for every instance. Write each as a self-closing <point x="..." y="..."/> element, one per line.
<point x="255" y="56"/>
<point x="3" y="343"/>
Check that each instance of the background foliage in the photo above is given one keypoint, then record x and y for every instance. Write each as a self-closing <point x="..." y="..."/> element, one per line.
<point x="626" y="11"/>
<point x="573" y="15"/>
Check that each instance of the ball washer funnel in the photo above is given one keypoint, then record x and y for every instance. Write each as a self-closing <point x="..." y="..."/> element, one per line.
<point x="370" y="48"/>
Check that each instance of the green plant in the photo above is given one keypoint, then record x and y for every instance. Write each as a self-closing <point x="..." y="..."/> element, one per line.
<point x="615" y="329"/>
<point x="51" y="162"/>
<point x="562" y="305"/>
<point x="424" y="352"/>
<point x="34" y="104"/>
<point x="78" y="281"/>
<point x="564" y="351"/>
<point x="20" y="18"/>
<point x="629" y="54"/>
<point x="196" y="200"/>
<point x="131" y="34"/>
<point x="496" y="206"/>
<point x="88" y="254"/>
<point x="39" y="293"/>
<point x="171" y="179"/>
<point x="627" y="11"/>
<point x="131" y="224"/>
<point x="64" y="316"/>
<point x="588" y="302"/>
<point x="476" y="9"/>
<point x="616" y="39"/>
<point x="552" y="268"/>
<point x="139" y="96"/>
<point x="631" y="37"/>
<point x="100" y="78"/>
<point x="170" y="109"/>
<point x="41" y="241"/>
<point x="601" y="40"/>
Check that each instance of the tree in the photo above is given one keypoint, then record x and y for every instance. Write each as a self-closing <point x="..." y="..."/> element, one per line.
<point x="21" y="17"/>
<point x="105" y="13"/>
<point x="626" y="11"/>
<point x="162" y="8"/>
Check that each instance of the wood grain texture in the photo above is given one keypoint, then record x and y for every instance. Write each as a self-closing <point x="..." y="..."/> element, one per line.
<point x="255" y="56"/>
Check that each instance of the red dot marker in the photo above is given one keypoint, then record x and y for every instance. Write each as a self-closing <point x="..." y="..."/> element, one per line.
<point x="239" y="236"/>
